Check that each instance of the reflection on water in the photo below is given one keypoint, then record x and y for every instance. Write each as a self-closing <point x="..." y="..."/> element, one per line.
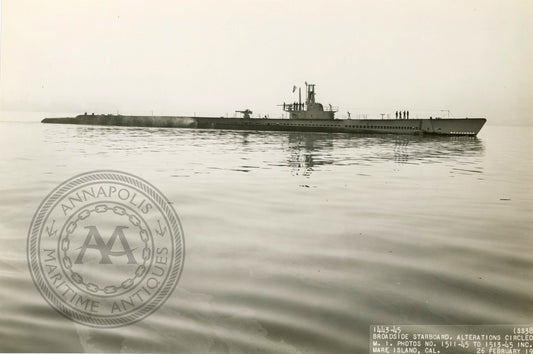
<point x="304" y="153"/>
<point x="309" y="150"/>
<point x="386" y="230"/>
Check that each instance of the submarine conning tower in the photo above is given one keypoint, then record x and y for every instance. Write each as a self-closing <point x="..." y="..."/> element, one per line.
<point x="309" y="110"/>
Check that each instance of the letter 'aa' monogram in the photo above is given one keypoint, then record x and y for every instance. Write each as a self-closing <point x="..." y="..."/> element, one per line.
<point x="105" y="248"/>
<point x="112" y="259"/>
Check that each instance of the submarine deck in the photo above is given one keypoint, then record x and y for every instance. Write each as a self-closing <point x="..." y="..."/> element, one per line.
<point x="440" y="126"/>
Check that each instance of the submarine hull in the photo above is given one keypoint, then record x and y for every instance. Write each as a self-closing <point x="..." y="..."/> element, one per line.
<point x="437" y="126"/>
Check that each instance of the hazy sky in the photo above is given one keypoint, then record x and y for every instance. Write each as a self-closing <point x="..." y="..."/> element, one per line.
<point x="213" y="57"/>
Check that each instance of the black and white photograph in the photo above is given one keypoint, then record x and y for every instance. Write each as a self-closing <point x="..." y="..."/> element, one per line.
<point x="266" y="176"/>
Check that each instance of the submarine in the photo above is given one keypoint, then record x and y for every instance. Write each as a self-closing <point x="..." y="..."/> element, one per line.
<point x="308" y="116"/>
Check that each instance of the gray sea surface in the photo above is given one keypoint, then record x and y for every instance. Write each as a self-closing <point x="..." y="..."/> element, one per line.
<point x="295" y="242"/>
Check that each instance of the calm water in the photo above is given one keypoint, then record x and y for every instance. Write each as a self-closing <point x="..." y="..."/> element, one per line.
<point x="295" y="242"/>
